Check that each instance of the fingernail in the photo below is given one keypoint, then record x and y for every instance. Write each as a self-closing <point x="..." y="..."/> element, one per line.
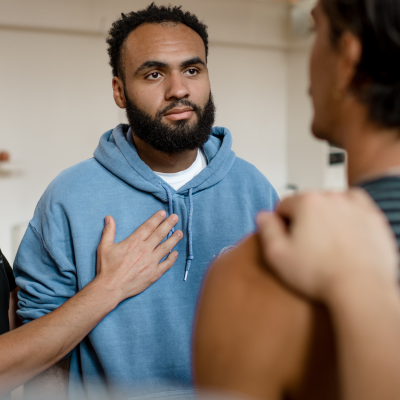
<point x="175" y="218"/>
<point x="180" y="234"/>
<point x="176" y="254"/>
<point x="107" y="219"/>
<point x="163" y="213"/>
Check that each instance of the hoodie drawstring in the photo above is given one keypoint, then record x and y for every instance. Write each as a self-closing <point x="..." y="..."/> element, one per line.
<point x="190" y="233"/>
<point x="171" y="206"/>
<point x="190" y="257"/>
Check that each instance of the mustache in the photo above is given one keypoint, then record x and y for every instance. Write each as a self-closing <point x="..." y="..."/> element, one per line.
<point x="183" y="102"/>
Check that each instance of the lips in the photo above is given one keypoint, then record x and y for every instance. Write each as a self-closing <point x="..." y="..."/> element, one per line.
<point x="178" y="110"/>
<point x="179" y="113"/>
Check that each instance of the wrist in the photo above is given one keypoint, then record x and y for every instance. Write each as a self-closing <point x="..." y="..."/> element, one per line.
<point x="357" y="290"/>
<point x="108" y="295"/>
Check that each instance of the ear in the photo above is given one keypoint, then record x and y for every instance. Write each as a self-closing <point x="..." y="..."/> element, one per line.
<point x="118" y="92"/>
<point x="350" y="52"/>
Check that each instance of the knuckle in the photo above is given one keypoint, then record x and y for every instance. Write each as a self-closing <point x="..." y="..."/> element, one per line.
<point x="313" y="200"/>
<point x="160" y="272"/>
<point x="133" y="242"/>
<point x="154" y="277"/>
<point x="274" y="250"/>
<point x="159" y="235"/>
<point x="149" y="226"/>
<point x="164" y="247"/>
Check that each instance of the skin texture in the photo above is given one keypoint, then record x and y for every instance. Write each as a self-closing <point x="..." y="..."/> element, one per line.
<point x="153" y="88"/>
<point x="123" y="270"/>
<point x="353" y="271"/>
<point x="304" y="309"/>
<point x="255" y="338"/>
<point x="339" y="117"/>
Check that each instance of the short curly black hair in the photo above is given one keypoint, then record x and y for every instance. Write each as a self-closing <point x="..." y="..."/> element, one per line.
<point x="153" y="14"/>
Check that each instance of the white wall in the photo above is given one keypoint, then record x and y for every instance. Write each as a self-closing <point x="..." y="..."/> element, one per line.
<point x="250" y="89"/>
<point x="307" y="158"/>
<point x="55" y="87"/>
<point x="304" y="152"/>
<point x="55" y="103"/>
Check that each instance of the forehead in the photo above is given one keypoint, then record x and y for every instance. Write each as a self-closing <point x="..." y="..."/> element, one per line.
<point x="162" y="42"/>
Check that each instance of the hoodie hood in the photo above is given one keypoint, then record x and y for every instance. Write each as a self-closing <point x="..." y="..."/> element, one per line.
<point x="117" y="153"/>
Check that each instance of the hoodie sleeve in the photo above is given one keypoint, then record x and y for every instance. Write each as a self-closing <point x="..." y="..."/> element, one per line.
<point x="44" y="274"/>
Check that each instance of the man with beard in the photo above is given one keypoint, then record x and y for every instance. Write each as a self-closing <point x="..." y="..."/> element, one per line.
<point x="169" y="157"/>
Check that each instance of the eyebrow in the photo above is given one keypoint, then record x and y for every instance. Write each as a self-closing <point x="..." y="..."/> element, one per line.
<point x="151" y="64"/>
<point x="160" y="64"/>
<point x="191" y="61"/>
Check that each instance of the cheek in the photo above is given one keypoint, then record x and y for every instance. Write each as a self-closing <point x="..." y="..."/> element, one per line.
<point x="321" y="91"/>
<point x="199" y="91"/>
<point x="316" y="71"/>
<point x="321" y="78"/>
<point x="148" y="98"/>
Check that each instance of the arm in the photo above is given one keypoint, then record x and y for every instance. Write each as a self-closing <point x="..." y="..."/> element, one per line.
<point x="255" y="338"/>
<point x="338" y="249"/>
<point x="123" y="270"/>
<point x="367" y="322"/>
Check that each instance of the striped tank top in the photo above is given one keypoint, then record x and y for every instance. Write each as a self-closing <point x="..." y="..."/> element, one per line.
<point x="386" y="193"/>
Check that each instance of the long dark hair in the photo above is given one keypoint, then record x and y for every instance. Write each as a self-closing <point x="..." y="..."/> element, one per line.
<point x="377" y="80"/>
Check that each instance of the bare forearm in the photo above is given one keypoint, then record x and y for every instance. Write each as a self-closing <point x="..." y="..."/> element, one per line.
<point x="368" y="331"/>
<point x="33" y="348"/>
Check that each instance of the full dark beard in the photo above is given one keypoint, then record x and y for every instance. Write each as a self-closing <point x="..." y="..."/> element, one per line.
<point x="177" y="139"/>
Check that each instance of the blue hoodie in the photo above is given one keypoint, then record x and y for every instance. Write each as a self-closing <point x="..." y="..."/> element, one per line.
<point x="145" y="342"/>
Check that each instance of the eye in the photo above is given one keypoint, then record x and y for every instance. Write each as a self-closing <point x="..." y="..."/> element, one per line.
<point x="192" y="72"/>
<point x="153" y="76"/>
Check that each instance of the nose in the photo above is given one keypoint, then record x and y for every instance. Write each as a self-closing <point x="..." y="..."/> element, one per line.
<point x="177" y="87"/>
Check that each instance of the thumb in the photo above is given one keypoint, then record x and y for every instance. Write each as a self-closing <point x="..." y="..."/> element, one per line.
<point x="274" y="238"/>
<point x="108" y="236"/>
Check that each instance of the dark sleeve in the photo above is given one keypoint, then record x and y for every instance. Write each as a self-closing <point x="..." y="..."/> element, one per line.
<point x="9" y="273"/>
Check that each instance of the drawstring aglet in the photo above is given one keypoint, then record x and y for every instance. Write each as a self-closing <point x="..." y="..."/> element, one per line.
<point x="186" y="275"/>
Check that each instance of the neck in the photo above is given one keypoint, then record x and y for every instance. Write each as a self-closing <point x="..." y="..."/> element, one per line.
<point x="371" y="150"/>
<point x="163" y="162"/>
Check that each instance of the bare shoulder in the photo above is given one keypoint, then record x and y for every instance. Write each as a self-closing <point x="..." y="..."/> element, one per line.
<point x="256" y="337"/>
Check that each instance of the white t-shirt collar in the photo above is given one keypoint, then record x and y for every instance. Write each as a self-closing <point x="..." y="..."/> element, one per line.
<point x="179" y="179"/>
